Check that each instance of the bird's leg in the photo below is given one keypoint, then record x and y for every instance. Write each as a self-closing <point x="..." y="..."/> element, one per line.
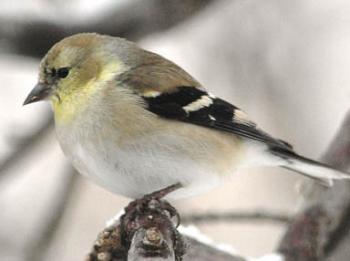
<point x="154" y="201"/>
<point x="153" y="213"/>
<point x="159" y="194"/>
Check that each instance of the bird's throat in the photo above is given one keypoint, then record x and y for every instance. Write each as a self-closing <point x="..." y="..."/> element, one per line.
<point x="68" y="106"/>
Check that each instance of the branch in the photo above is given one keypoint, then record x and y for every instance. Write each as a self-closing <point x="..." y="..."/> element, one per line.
<point x="133" y="20"/>
<point x="148" y="231"/>
<point x="325" y="219"/>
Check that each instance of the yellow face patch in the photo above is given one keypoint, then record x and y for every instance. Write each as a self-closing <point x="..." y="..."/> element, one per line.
<point x="76" y="92"/>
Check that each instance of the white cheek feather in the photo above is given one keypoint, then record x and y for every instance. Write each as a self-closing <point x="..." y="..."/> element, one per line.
<point x="204" y="101"/>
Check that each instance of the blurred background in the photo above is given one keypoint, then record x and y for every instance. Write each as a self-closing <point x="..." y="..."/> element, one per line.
<point x="284" y="62"/>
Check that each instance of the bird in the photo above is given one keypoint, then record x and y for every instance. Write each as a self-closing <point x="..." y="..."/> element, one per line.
<point x="135" y="122"/>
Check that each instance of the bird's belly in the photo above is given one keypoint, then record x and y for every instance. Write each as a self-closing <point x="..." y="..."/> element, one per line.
<point x="139" y="160"/>
<point x="139" y="169"/>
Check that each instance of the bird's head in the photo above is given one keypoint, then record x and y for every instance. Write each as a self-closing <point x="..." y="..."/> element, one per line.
<point x="74" y="64"/>
<point x="74" y="68"/>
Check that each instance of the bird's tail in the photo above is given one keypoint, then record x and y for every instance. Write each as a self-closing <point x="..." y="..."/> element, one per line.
<point x="311" y="168"/>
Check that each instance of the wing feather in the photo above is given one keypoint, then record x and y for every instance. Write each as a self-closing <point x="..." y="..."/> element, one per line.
<point x="196" y="106"/>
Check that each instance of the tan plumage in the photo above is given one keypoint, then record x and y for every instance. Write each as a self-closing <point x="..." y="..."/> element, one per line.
<point x="135" y="122"/>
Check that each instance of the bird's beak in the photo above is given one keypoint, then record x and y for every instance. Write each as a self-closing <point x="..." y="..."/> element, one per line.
<point x="39" y="93"/>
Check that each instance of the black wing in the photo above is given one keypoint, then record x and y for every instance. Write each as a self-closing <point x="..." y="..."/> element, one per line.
<point x="193" y="105"/>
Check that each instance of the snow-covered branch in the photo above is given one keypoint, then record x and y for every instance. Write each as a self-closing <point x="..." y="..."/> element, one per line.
<point x="148" y="230"/>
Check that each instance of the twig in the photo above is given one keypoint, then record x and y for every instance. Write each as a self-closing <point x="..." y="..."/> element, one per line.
<point x="159" y="194"/>
<point x="38" y="246"/>
<point x="241" y="216"/>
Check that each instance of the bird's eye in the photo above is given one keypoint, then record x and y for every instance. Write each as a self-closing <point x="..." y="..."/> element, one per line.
<point x="53" y="72"/>
<point x="63" y="72"/>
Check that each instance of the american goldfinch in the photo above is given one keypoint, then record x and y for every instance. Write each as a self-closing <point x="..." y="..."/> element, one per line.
<point x="135" y="122"/>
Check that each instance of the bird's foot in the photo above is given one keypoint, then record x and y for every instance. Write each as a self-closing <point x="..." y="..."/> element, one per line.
<point x="151" y="204"/>
<point x="151" y="213"/>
